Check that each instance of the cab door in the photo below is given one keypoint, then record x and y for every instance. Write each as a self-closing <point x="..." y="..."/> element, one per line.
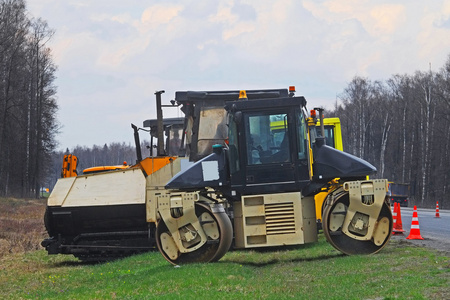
<point x="270" y="151"/>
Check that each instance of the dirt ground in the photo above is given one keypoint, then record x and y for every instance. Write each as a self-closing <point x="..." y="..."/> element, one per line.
<point x="21" y="225"/>
<point x="431" y="243"/>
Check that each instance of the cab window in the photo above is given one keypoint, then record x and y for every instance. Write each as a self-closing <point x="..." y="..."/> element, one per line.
<point x="302" y="138"/>
<point x="329" y="136"/>
<point x="233" y="144"/>
<point x="267" y="138"/>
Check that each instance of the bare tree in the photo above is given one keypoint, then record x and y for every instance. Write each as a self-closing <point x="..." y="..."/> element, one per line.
<point x="402" y="126"/>
<point x="27" y="102"/>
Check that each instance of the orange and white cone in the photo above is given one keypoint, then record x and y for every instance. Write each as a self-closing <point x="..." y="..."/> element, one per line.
<point x="437" y="210"/>
<point x="394" y="215"/>
<point x="398" y="226"/>
<point x="414" y="233"/>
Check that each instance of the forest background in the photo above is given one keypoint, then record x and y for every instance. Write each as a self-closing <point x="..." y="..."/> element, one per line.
<point x="400" y="125"/>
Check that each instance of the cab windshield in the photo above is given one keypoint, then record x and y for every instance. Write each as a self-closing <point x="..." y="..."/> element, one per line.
<point x="268" y="138"/>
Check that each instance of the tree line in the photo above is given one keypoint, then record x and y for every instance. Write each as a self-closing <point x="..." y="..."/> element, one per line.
<point x="28" y="105"/>
<point x="402" y="126"/>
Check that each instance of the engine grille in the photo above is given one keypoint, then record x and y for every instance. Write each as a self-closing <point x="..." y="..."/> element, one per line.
<point x="279" y="218"/>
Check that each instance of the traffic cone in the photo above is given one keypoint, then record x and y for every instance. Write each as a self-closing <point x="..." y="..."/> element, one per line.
<point x="398" y="226"/>
<point x="437" y="210"/>
<point x="414" y="233"/>
<point x="394" y="217"/>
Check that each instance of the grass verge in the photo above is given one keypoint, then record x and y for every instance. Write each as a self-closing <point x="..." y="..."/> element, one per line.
<point x="315" y="271"/>
<point x="400" y="271"/>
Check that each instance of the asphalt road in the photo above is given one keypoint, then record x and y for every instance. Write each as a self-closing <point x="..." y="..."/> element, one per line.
<point x="435" y="231"/>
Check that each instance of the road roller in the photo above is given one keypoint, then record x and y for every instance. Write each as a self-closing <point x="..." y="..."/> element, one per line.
<point x="240" y="170"/>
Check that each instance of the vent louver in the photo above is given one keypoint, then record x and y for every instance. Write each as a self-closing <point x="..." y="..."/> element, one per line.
<point x="280" y="218"/>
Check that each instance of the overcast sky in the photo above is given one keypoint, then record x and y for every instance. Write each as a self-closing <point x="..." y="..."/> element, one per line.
<point x="113" y="55"/>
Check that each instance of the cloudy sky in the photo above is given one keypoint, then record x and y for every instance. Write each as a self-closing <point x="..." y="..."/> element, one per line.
<point x="113" y="55"/>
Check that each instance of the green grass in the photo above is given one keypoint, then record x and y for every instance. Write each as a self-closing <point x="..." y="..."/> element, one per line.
<point x="316" y="271"/>
<point x="44" y="194"/>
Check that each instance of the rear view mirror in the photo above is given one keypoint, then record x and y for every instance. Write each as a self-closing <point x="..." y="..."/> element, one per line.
<point x="238" y="117"/>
